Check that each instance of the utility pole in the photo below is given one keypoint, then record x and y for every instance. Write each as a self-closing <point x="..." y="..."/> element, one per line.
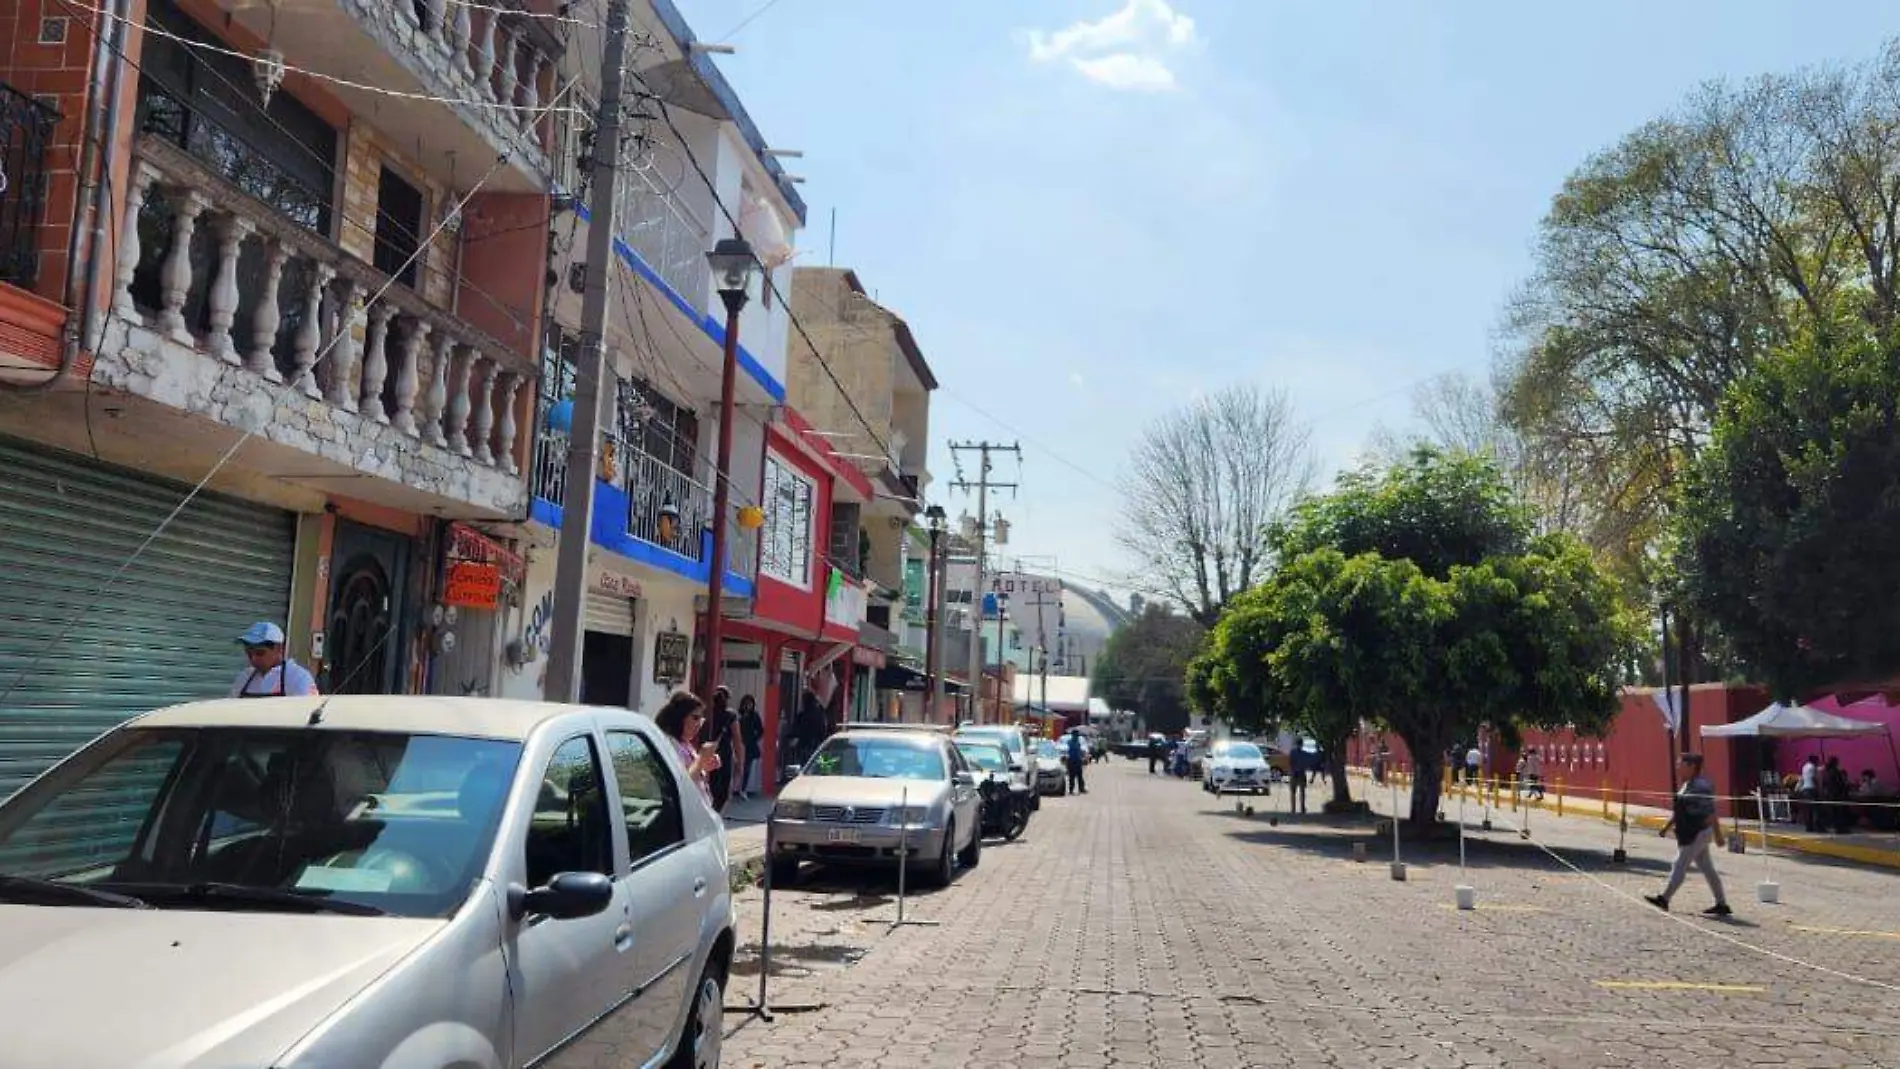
<point x="982" y="486"/>
<point x="1042" y="633"/>
<point x="583" y="447"/>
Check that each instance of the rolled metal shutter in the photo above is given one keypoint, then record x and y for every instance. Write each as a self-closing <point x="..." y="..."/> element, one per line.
<point x="609" y="614"/>
<point x="165" y="632"/>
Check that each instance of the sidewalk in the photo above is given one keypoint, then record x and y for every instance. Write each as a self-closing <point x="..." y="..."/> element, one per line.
<point x="745" y="837"/>
<point x="1881" y="849"/>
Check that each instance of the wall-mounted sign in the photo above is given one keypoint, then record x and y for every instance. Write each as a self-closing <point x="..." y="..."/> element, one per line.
<point x="616" y="585"/>
<point x="472" y="585"/>
<point x="669" y="657"/>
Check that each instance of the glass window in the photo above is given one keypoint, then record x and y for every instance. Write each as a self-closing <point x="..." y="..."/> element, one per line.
<point x="649" y="796"/>
<point x="268" y="818"/>
<point x="986" y="756"/>
<point x="1240" y="751"/>
<point x="569" y="829"/>
<point x="788" y="499"/>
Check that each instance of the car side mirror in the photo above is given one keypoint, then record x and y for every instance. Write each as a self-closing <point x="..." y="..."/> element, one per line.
<point x="792" y="771"/>
<point x="965" y="779"/>
<point x="1015" y="766"/>
<point x="569" y="895"/>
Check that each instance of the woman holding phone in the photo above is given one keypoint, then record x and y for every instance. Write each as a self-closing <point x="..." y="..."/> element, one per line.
<point x="680" y="718"/>
<point x="719" y="731"/>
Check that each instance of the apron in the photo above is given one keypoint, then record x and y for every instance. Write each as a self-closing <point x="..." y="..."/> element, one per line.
<point x="282" y="674"/>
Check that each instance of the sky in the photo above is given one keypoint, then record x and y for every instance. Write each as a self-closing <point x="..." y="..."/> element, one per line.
<point x="1094" y="211"/>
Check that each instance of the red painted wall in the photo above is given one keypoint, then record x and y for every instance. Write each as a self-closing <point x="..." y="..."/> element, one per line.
<point x="776" y="600"/>
<point x="1634" y="753"/>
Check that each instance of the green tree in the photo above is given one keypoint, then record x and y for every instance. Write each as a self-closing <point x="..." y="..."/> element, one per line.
<point x="1785" y="530"/>
<point x="1143" y="667"/>
<point x="1417" y="598"/>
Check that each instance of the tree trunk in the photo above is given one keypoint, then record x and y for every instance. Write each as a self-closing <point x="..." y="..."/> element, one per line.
<point x="1427" y="784"/>
<point x="1342" y="787"/>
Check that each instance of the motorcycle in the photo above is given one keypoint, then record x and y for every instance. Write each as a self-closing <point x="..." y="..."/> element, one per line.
<point x="1005" y="808"/>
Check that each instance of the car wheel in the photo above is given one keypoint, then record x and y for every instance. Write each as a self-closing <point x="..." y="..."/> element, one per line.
<point x="971" y="855"/>
<point x="1035" y="801"/>
<point x="784" y="871"/>
<point x="705" y="1028"/>
<point x="945" y="869"/>
<point x="1017" y="823"/>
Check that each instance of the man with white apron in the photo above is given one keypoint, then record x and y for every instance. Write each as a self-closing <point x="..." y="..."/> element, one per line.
<point x="270" y="674"/>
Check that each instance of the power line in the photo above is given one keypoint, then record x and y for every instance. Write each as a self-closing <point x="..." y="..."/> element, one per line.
<point x="747" y="21"/>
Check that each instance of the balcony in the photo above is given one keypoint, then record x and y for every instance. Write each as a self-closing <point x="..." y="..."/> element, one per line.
<point x="229" y="310"/>
<point x="667" y="235"/>
<point x="26" y="132"/>
<point x="636" y="491"/>
<point x="500" y="66"/>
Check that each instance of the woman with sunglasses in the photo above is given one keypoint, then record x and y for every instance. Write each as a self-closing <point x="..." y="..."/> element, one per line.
<point x="681" y="718"/>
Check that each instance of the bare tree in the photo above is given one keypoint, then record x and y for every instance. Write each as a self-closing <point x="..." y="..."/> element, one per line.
<point x="1202" y="487"/>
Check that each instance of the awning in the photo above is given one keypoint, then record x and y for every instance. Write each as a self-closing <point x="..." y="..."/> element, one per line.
<point x="1794" y="722"/>
<point x="896" y="675"/>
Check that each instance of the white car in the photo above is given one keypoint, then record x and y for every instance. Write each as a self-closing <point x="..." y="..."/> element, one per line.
<point x="396" y="882"/>
<point x="1235" y="766"/>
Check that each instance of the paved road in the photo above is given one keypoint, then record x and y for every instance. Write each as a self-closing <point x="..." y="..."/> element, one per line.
<point x="1147" y="925"/>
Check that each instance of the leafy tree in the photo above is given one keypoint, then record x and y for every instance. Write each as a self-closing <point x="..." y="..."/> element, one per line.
<point x="1786" y="526"/>
<point x="1202" y="487"/>
<point x="1144" y="664"/>
<point x="1416" y="597"/>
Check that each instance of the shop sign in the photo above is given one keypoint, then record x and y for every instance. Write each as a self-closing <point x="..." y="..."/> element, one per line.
<point x="867" y="657"/>
<point x="616" y="585"/>
<point x="472" y="585"/>
<point x="669" y="656"/>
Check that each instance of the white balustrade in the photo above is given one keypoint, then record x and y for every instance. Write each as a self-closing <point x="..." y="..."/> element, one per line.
<point x="236" y="315"/>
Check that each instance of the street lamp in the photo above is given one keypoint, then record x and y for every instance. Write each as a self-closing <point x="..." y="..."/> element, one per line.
<point x="933" y="606"/>
<point x="732" y="266"/>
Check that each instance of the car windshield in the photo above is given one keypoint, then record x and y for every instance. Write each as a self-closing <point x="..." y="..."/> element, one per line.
<point x="238" y="818"/>
<point x="877" y="758"/>
<point x="988" y="756"/>
<point x="1047" y="748"/>
<point x="1010" y="740"/>
<point x="1239" y="751"/>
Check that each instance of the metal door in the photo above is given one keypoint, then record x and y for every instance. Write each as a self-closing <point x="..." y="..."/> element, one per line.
<point x="368" y="570"/>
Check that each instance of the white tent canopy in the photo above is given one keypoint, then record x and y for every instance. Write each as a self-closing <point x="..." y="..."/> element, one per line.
<point x="1780" y="721"/>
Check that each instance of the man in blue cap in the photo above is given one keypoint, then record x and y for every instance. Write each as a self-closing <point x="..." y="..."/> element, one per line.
<point x="270" y="674"/>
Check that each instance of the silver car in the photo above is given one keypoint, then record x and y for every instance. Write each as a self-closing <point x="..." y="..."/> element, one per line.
<point x="404" y="883"/>
<point x="1017" y="743"/>
<point x="880" y="797"/>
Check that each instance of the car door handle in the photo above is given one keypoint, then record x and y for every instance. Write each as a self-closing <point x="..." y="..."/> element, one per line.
<point x="699" y="887"/>
<point x="623" y="937"/>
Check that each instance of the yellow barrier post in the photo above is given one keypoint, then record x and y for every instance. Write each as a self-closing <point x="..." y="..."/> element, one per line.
<point x="1603" y="792"/>
<point x="1514" y="793"/>
<point x="1560" y="797"/>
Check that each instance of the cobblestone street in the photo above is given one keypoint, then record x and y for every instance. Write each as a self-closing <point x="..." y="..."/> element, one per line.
<point x="1147" y="924"/>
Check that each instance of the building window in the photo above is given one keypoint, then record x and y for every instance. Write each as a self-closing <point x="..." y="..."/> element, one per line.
<point x="205" y="102"/>
<point x="789" y="499"/>
<point x="658" y="426"/>
<point x="398" y="227"/>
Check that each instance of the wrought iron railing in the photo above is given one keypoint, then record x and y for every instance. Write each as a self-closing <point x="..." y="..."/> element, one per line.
<point x="659" y="226"/>
<point x="665" y="507"/>
<point x="26" y="132"/>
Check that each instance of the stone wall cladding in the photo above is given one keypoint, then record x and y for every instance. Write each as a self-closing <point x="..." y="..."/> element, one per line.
<point x="144" y="363"/>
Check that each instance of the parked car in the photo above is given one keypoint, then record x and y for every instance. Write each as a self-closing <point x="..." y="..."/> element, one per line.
<point x="383" y="881"/>
<point x="1005" y="802"/>
<point x="880" y="798"/>
<point x="1052" y="772"/>
<point x="1235" y="766"/>
<point x="1017" y="744"/>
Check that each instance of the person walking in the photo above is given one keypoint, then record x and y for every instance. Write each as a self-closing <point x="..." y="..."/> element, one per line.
<point x="751" y="743"/>
<point x="270" y="674"/>
<point x="1807" y="789"/>
<point x="717" y="730"/>
<point x="1694" y="822"/>
<point x="1296" y="762"/>
<point x="1156" y="747"/>
<point x="1534" y="773"/>
<point x="1078" y="760"/>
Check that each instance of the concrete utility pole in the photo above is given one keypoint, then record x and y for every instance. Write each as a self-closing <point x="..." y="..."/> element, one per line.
<point x="982" y="486"/>
<point x="1042" y="633"/>
<point x="583" y="448"/>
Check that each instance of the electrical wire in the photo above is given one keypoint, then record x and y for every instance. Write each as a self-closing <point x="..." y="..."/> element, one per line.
<point x="99" y="595"/>
<point x="747" y="21"/>
<point x="467" y="102"/>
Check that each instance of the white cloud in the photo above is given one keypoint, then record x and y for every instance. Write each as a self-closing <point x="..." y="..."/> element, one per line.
<point x="1127" y="50"/>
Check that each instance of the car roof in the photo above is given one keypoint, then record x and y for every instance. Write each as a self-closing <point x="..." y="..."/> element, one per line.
<point x="860" y="735"/>
<point x="492" y="718"/>
<point x="969" y="740"/>
<point x="875" y="725"/>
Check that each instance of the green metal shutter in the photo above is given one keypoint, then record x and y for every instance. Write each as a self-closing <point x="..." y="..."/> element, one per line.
<point x="166" y="632"/>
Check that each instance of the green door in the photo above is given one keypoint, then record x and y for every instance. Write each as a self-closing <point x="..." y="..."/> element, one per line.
<point x="80" y="652"/>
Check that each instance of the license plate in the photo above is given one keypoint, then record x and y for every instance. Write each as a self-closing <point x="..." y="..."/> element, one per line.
<point x="842" y="835"/>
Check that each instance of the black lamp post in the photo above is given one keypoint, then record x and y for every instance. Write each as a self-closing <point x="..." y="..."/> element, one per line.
<point x="732" y="266"/>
